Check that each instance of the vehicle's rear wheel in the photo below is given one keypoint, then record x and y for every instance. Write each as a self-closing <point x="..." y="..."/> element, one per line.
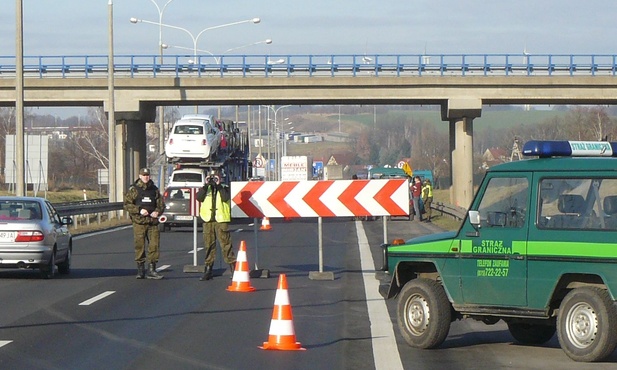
<point x="528" y="333"/>
<point x="65" y="267"/>
<point x="48" y="270"/>
<point x="587" y="324"/>
<point x="423" y="313"/>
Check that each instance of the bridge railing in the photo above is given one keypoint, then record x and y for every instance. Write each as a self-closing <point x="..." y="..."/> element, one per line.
<point x="326" y="65"/>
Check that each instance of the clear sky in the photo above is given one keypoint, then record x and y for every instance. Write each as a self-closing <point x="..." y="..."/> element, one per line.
<point x="80" y="27"/>
<point x="77" y="27"/>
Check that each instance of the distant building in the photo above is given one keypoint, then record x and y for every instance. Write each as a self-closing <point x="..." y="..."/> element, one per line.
<point x="493" y="156"/>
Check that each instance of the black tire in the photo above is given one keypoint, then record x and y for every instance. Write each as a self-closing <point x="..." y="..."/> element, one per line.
<point x="587" y="324"/>
<point x="64" y="268"/>
<point x="528" y="333"/>
<point x="162" y="227"/>
<point x="48" y="271"/>
<point x="423" y="313"/>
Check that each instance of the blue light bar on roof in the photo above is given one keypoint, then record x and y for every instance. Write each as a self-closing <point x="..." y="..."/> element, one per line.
<point x="544" y="149"/>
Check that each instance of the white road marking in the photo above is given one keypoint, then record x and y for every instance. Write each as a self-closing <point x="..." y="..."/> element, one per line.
<point x="164" y="267"/>
<point x="198" y="249"/>
<point x="385" y="350"/>
<point x="83" y="236"/>
<point x="4" y="342"/>
<point x="97" y="298"/>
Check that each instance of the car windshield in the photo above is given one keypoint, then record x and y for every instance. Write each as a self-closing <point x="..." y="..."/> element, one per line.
<point x="19" y="210"/>
<point x="177" y="193"/>
<point x="187" y="177"/>
<point x="189" y="129"/>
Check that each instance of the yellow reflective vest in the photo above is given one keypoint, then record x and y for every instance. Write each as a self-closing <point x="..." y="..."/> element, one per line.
<point x="222" y="209"/>
<point x="427" y="191"/>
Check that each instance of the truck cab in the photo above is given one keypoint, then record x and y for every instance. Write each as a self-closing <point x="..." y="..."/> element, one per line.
<point x="536" y="250"/>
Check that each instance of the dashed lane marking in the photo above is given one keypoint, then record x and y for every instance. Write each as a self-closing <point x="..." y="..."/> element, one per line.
<point x="198" y="249"/>
<point x="164" y="267"/>
<point x="90" y="301"/>
<point x="4" y="342"/>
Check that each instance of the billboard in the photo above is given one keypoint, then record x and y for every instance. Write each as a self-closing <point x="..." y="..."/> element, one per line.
<point x="36" y="152"/>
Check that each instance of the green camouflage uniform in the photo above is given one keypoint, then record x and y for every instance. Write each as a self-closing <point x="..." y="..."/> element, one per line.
<point x="145" y="228"/>
<point x="216" y="221"/>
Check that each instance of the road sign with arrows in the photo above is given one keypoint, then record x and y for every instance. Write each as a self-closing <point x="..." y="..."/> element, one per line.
<point x="333" y="198"/>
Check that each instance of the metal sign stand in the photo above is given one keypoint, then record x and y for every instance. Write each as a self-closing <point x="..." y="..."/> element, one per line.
<point x="320" y="275"/>
<point x="194" y="210"/>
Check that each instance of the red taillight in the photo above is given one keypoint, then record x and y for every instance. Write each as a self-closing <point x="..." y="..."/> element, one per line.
<point x="171" y="141"/>
<point x="204" y="142"/>
<point x="29" y="236"/>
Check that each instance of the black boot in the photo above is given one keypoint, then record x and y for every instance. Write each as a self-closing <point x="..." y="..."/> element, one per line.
<point x="152" y="274"/>
<point x="207" y="274"/>
<point x="141" y="270"/>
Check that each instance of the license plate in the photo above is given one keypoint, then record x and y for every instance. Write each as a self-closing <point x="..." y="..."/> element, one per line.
<point x="7" y="236"/>
<point x="183" y="218"/>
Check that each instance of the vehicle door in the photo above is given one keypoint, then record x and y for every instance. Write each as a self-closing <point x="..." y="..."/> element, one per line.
<point x="60" y="231"/>
<point x="493" y="259"/>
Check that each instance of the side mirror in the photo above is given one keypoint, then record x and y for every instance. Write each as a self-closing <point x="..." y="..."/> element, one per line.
<point x="66" y="220"/>
<point x="474" y="220"/>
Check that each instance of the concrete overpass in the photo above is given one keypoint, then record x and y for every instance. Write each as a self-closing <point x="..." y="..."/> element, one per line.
<point x="461" y="97"/>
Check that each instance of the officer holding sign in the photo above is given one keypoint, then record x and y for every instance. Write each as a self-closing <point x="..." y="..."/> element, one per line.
<point x="215" y="213"/>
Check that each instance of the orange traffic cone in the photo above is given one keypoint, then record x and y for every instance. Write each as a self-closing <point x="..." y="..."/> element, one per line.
<point x="265" y="224"/>
<point x="240" y="281"/>
<point x="282" y="336"/>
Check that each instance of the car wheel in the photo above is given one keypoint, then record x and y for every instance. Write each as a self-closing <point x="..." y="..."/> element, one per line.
<point x="65" y="267"/>
<point x="162" y="227"/>
<point x="423" y="313"/>
<point x="528" y="333"/>
<point x="587" y="324"/>
<point x="48" y="270"/>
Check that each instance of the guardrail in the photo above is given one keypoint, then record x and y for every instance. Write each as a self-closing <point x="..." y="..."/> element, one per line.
<point x="453" y="211"/>
<point x="330" y="65"/>
<point x="97" y="206"/>
<point x="87" y="207"/>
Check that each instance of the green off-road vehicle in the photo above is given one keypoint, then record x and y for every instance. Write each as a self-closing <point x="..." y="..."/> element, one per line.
<point x="537" y="249"/>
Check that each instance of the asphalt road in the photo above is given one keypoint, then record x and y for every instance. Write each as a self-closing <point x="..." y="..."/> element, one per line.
<point x="101" y="317"/>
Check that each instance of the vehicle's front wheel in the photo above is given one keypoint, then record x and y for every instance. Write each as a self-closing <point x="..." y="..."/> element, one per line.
<point x="587" y="324"/>
<point x="48" y="270"/>
<point x="423" y="313"/>
<point x="528" y="333"/>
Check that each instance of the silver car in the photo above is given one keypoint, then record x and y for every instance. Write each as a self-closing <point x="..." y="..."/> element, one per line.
<point x="33" y="235"/>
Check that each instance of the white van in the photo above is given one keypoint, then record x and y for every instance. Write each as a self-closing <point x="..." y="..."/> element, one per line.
<point x="187" y="177"/>
<point x="195" y="137"/>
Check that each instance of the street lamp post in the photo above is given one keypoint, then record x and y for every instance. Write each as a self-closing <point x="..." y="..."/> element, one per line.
<point x="193" y="37"/>
<point x="161" y="10"/>
<point x="275" y="111"/>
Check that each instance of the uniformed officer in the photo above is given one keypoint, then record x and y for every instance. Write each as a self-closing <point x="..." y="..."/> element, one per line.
<point x="215" y="213"/>
<point x="427" y="198"/>
<point x="144" y="204"/>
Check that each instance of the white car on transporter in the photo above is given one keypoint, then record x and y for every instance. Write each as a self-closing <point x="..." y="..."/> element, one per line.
<point x="194" y="138"/>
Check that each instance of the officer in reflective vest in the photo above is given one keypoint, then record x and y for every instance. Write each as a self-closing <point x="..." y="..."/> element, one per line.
<point x="215" y="213"/>
<point x="144" y="204"/>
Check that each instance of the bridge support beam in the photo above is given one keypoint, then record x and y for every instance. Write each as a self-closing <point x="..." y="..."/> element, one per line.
<point x="131" y="148"/>
<point x="460" y="113"/>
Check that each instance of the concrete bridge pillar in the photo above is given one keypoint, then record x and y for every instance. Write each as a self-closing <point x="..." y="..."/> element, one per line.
<point x="460" y="113"/>
<point x="131" y="149"/>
